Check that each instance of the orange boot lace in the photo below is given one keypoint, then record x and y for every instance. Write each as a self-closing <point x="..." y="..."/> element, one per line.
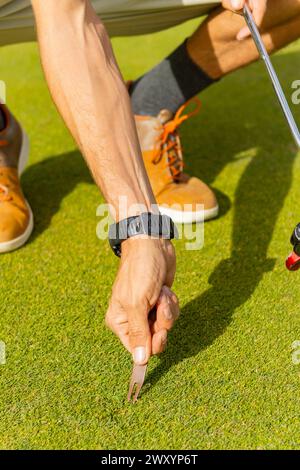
<point x="169" y="140"/>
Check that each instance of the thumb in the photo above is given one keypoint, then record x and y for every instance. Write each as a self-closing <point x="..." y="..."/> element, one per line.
<point x="139" y="337"/>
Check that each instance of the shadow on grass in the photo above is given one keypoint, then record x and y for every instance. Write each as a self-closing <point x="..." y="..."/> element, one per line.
<point x="259" y="198"/>
<point x="47" y="184"/>
<point x="234" y="280"/>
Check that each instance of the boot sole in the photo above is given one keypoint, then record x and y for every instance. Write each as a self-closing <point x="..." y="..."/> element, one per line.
<point x="18" y="242"/>
<point x="185" y="217"/>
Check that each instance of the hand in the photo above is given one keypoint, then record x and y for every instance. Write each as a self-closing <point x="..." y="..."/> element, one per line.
<point x="258" y="8"/>
<point x="145" y="277"/>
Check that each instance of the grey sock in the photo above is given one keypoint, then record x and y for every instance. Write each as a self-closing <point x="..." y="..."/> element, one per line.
<point x="168" y="85"/>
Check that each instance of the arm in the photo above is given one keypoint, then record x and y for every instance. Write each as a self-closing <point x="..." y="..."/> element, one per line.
<point x="88" y="89"/>
<point x="89" y="92"/>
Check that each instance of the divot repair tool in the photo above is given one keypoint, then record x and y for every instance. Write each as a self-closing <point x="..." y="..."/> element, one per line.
<point x="293" y="261"/>
<point x="139" y="372"/>
<point x="136" y="382"/>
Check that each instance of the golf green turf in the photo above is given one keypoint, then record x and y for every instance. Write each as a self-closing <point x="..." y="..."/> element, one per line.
<point x="227" y="379"/>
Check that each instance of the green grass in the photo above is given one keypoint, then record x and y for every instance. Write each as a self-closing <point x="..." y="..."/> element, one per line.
<point x="227" y="379"/>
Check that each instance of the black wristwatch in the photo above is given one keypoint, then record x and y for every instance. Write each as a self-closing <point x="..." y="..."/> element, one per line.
<point x="154" y="225"/>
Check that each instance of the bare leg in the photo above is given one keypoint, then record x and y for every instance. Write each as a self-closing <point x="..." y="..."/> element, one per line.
<point x="216" y="50"/>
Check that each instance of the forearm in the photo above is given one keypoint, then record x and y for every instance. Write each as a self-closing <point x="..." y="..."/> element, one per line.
<point x="90" y="94"/>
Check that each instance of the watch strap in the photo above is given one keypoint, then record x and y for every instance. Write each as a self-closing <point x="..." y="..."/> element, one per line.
<point x="154" y="225"/>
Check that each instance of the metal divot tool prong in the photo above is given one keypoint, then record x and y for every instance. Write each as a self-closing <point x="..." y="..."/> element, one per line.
<point x="136" y="382"/>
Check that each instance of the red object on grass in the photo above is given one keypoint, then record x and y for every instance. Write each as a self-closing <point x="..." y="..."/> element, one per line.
<point x="293" y="262"/>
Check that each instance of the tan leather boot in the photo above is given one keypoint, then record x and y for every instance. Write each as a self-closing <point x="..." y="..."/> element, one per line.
<point x="16" y="219"/>
<point x="178" y="195"/>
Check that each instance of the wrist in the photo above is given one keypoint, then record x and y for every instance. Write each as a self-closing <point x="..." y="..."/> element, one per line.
<point x="131" y="243"/>
<point x="158" y="247"/>
<point x="127" y="207"/>
<point x="135" y="210"/>
<point x="132" y="198"/>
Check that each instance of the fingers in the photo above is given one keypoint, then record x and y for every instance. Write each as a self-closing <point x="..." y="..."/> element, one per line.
<point x="116" y="321"/>
<point x="233" y="4"/>
<point x="145" y="339"/>
<point x="237" y="4"/>
<point x="132" y="328"/>
<point x="243" y="34"/>
<point x="166" y="315"/>
<point x="139" y="335"/>
<point x="167" y="310"/>
<point x="159" y="342"/>
<point x="259" y="10"/>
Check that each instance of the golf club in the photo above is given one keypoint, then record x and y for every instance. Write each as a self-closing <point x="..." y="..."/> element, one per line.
<point x="274" y="78"/>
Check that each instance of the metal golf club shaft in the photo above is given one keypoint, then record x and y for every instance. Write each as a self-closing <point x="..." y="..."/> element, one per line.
<point x="277" y="86"/>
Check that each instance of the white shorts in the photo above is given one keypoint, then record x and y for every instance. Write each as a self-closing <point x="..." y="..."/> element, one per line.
<point x="121" y="17"/>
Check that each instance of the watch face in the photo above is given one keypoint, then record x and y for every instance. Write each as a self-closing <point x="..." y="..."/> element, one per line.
<point x="134" y="228"/>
